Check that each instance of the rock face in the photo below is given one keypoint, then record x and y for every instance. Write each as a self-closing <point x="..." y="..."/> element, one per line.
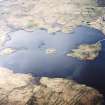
<point x="99" y="23"/>
<point x="23" y="89"/>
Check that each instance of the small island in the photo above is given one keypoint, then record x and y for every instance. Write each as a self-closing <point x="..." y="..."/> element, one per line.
<point x="86" y="51"/>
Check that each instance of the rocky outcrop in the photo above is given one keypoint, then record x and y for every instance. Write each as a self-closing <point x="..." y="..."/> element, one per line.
<point x="23" y="89"/>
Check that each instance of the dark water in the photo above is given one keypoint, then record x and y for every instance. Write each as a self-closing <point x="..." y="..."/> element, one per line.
<point x="31" y="57"/>
<point x="101" y="2"/>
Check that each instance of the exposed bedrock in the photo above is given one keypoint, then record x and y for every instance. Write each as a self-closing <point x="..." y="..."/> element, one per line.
<point x="23" y="89"/>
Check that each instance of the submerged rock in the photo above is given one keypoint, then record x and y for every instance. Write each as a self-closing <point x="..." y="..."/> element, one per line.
<point x="23" y="89"/>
